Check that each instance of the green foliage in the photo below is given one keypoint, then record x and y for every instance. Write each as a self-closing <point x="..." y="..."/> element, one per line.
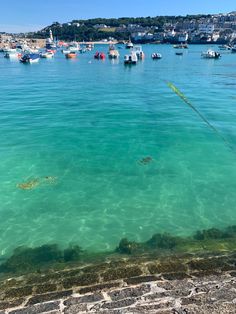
<point x="87" y="32"/>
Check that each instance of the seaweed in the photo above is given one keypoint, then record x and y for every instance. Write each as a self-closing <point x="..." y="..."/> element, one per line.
<point x="72" y="253"/>
<point x="162" y="241"/>
<point x="127" y="247"/>
<point x="215" y="233"/>
<point x="25" y="258"/>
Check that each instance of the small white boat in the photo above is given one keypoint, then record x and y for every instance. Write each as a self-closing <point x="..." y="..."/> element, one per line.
<point x="131" y="58"/>
<point x="12" y="54"/>
<point x="113" y="53"/>
<point x="211" y="54"/>
<point x="139" y="52"/>
<point x="30" y="58"/>
<point x="46" y="55"/>
<point x="129" y="45"/>
<point x="156" y="56"/>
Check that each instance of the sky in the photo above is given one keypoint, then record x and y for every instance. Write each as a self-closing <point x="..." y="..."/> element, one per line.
<point x="29" y="15"/>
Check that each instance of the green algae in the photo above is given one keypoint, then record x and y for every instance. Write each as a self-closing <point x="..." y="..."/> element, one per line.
<point x="39" y="259"/>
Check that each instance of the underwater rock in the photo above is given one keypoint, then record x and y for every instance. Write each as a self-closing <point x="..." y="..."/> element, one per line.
<point x="212" y="233"/>
<point x="72" y="253"/>
<point x="127" y="247"/>
<point x="162" y="241"/>
<point x="145" y="160"/>
<point x="24" y="258"/>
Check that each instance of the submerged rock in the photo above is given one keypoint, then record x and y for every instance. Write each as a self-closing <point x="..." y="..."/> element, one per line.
<point x="162" y="241"/>
<point x="127" y="247"/>
<point x="212" y="233"/>
<point x="145" y="160"/>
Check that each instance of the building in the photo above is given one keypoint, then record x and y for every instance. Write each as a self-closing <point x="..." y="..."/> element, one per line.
<point x="206" y="28"/>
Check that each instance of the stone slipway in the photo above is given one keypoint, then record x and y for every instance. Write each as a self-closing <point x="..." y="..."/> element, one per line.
<point x="177" y="285"/>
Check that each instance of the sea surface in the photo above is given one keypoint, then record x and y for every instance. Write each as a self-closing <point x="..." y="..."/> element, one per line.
<point x="110" y="151"/>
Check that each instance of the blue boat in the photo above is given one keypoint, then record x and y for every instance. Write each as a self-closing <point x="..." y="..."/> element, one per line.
<point x="30" y="58"/>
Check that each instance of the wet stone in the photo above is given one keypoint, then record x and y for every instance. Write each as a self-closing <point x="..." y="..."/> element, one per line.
<point x="96" y="297"/>
<point x="39" y="308"/>
<point x="99" y="287"/>
<point x="49" y="297"/>
<point x="129" y="292"/>
<point x="118" y="304"/>
<point x="175" y="276"/>
<point x="83" y="280"/>
<point x="75" y="309"/>
<point x="45" y="288"/>
<point x="10" y="304"/>
<point x="18" y="292"/>
<point x="140" y="279"/>
<point x="121" y="273"/>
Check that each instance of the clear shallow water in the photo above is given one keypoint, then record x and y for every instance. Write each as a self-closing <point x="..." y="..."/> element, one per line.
<point x="89" y="122"/>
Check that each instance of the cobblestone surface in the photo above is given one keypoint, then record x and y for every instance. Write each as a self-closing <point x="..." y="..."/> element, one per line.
<point x="157" y="292"/>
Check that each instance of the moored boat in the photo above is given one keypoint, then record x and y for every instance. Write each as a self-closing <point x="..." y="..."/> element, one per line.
<point x="211" y="54"/>
<point x="233" y="49"/>
<point x="30" y="58"/>
<point x="47" y="55"/>
<point x="156" y="56"/>
<point x="179" y="53"/>
<point x="129" y="45"/>
<point x="99" y="55"/>
<point x="113" y="53"/>
<point x="71" y="55"/>
<point x="131" y="58"/>
<point x="139" y="52"/>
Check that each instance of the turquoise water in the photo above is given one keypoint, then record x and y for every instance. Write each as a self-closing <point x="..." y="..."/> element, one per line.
<point x="89" y="123"/>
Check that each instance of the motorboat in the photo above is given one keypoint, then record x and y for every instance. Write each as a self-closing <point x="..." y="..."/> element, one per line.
<point x="131" y="58"/>
<point x="99" y="55"/>
<point x="181" y="46"/>
<point x="179" y="53"/>
<point x="12" y="54"/>
<point x="233" y="49"/>
<point x="211" y="54"/>
<point x="30" y="58"/>
<point x="224" y="47"/>
<point x="113" y="53"/>
<point x="71" y="55"/>
<point x="129" y="45"/>
<point x="156" y="56"/>
<point x="47" y="55"/>
<point x="139" y="52"/>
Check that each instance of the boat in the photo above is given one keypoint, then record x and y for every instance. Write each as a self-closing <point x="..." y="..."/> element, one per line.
<point x="12" y="54"/>
<point x="47" y="55"/>
<point x="129" y="45"/>
<point x="233" y="49"/>
<point x="99" y="55"/>
<point x="30" y="58"/>
<point x="179" y="53"/>
<point x="181" y="46"/>
<point x="131" y="58"/>
<point x="139" y="52"/>
<point x="113" y="53"/>
<point x="224" y="47"/>
<point x="211" y="54"/>
<point x="156" y="56"/>
<point x="71" y="55"/>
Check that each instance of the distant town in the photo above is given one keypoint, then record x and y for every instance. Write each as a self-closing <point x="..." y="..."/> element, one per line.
<point x="194" y="29"/>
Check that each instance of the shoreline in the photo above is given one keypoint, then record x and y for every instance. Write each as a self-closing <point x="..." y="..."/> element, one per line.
<point x="186" y="284"/>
